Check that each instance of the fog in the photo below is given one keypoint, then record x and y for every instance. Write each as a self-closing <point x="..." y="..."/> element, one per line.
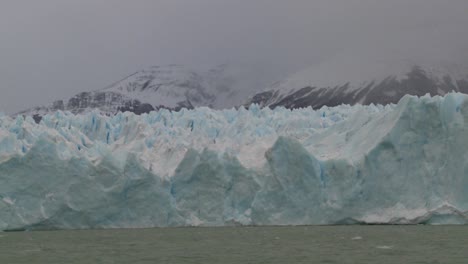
<point x="51" y="49"/>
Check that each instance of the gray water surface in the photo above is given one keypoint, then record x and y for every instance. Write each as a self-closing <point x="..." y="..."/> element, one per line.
<point x="303" y="244"/>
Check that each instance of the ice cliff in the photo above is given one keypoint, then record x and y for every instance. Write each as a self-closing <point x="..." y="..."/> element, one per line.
<point x="403" y="163"/>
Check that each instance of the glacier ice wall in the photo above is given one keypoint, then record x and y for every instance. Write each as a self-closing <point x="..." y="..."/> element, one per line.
<point x="404" y="163"/>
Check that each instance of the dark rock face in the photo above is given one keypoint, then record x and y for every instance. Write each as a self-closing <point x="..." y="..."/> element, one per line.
<point x="390" y="90"/>
<point x="86" y="100"/>
<point x="37" y="118"/>
<point x="170" y="87"/>
<point x="108" y="102"/>
<point x="137" y="108"/>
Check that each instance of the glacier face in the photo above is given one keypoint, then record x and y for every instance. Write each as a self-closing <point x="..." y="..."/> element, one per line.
<point x="403" y="163"/>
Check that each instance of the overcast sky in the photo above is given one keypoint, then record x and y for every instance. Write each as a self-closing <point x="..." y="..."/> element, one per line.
<point x="51" y="49"/>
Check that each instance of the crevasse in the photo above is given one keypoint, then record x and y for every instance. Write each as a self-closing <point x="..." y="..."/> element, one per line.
<point x="404" y="163"/>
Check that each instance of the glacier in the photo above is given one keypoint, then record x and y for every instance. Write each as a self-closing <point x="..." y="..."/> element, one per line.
<point x="404" y="163"/>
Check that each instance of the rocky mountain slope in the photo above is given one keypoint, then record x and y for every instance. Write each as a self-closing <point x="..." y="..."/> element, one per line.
<point x="175" y="87"/>
<point x="171" y="87"/>
<point x="352" y="84"/>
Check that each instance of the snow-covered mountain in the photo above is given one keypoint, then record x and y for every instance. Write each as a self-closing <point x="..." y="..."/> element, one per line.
<point x="349" y="83"/>
<point x="226" y="86"/>
<point x="171" y="87"/>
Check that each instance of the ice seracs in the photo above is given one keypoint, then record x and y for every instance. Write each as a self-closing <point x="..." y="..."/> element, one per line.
<point x="402" y="163"/>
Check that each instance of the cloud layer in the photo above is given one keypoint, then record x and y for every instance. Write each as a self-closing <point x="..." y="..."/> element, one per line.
<point x="53" y="48"/>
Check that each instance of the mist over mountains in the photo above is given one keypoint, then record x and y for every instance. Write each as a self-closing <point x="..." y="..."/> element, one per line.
<point x="171" y="87"/>
<point x="176" y="86"/>
<point x="54" y="50"/>
<point x="355" y="84"/>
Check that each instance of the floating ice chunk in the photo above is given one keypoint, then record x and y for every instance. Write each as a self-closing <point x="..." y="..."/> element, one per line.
<point x="384" y="247"/>
<point x="8" y="200"/>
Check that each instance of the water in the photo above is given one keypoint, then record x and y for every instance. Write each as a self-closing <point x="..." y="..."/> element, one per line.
<point x="319" y="244"/>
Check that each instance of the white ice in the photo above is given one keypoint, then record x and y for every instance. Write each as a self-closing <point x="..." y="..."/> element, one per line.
<point x="404" y="163"/>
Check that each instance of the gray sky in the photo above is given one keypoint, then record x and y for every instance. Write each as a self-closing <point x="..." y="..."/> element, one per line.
<point x="51" y="49"/>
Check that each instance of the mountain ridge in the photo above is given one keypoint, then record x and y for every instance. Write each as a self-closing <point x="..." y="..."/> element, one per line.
<point x="302" y="90"/>
<point x="170" y="87"/>
<point x="175" y="87"/>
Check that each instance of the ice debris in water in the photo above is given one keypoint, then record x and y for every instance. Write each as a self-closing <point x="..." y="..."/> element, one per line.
<point x="384" y="247"/>
<point x="404" y="163"/>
